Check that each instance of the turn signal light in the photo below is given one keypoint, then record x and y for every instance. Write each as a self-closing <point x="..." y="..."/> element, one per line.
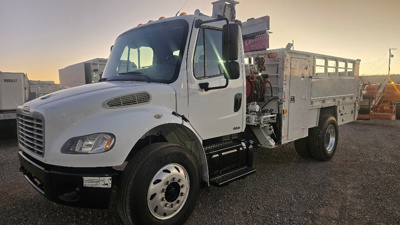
<point x="272" y="55"/>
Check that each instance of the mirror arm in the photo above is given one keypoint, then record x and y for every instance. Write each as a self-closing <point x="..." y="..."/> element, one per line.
<point x="200" y="22"/>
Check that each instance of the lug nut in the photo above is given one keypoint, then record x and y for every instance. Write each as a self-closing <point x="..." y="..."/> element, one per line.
<point x="182" y="194"/>
<point x="167" y="183"/>
<point x="179" y="180"/>
<point x="182" y="186"/>
<point x="166" y="204"/>
<point x="162" y="199"/>
<point x="172" y="205"/>
<point x="177" y="202"/>
<point x="173" y="179"/>
<point x="163" y="190"/>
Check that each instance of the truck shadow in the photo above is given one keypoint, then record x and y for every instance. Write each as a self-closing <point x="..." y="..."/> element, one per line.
<point x="285" y="189"/>
<point x="8" y="129"/>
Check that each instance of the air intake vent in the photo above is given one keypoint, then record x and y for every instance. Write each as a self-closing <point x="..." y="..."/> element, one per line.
<point x="128" y="100"/>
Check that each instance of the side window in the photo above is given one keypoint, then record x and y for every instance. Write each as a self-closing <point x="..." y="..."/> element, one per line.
<point x="208" y="53"/>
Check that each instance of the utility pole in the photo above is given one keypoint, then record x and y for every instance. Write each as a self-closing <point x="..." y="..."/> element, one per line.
<point x="391" y="81"/>
<point x="390" y="57"/>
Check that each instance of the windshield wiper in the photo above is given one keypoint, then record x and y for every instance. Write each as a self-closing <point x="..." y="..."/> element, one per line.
<point x="145" y="77"/>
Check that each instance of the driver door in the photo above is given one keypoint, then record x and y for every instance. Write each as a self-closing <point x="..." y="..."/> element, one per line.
<point x="218" y="112"/>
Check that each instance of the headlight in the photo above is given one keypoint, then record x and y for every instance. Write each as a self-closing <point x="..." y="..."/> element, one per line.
<point x="89" y="144"/>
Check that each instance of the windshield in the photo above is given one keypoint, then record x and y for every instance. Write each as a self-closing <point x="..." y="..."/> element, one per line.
<point x="151" y="53"/>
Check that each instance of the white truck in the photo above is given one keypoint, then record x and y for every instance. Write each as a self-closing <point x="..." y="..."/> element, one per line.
<point x="174" y="110"/>
<point x="14" y="91"/>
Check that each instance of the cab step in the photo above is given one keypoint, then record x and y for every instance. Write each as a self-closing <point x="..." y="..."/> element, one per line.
<point x="231" y="176"/>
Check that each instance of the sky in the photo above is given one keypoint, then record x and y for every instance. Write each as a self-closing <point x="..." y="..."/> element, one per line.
<point x="39" y="37"/>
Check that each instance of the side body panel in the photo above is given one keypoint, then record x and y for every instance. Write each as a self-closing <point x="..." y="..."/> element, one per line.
<point x="304" y="83"/>
<point x="298" y="96"/>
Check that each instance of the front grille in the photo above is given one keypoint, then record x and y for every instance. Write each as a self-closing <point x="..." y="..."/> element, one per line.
<point x="31" y="134"/>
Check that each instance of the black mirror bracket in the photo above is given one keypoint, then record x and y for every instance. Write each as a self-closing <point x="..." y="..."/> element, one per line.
<point x="199" y="22"/>
<point x="204" y="86"/>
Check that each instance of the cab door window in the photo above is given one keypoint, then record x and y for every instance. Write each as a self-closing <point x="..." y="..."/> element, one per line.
<point x="208" y="54"/>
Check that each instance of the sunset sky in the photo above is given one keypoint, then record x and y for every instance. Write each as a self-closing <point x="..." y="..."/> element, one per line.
<point x="39" y="37"/>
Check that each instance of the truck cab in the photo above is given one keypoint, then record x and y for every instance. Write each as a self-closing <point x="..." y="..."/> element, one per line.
<point x="171" y="95"/>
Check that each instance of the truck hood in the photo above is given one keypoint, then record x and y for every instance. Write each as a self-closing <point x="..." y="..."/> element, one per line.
<point x="98" y="93"/>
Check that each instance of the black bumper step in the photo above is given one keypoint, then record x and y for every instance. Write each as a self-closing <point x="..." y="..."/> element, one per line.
<point x="231" y="176"/>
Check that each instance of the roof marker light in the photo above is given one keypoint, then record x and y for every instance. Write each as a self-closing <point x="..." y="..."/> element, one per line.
<point x="183" y="14"/>
<point x="161" y="18"/>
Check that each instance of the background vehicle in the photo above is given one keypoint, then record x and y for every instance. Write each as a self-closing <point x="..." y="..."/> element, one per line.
<point x="174" y="109"/>
<point x="380" y="101"/>
<point x="82" y="73"/>
<point x="14" y="91"/>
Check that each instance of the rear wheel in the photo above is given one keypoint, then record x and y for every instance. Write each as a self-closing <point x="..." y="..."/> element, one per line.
<point x="324" y="138"/>
<point x="159" y="186"/>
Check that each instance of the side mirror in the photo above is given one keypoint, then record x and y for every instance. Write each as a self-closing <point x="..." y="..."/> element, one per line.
<point x="232" y="71"/>
<point x="111" y="48"/>
<point x="230" y="42"/>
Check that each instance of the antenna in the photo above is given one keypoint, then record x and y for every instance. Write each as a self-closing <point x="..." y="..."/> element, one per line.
<point x="181" y="8"/>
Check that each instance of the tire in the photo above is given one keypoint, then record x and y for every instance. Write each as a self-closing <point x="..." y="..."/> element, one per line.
<point x="302" y="147"/>
<point x="160" y="185"/>
<point x="324" y="138"/>
<point x="398" y="111"/>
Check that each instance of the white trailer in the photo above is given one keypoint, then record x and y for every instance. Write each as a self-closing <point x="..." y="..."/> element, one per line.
<point x="13" y="92"/>
<point x="82" y="73"/>
<point x="176" y="107"/>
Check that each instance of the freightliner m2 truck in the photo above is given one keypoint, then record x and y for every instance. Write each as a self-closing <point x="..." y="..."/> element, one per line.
<point x="178" y="107"/>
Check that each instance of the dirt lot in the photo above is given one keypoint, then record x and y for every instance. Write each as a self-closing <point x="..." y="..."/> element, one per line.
<point x="361" y="185"/>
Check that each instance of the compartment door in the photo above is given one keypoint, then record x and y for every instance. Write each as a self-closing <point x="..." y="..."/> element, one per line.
<point x="299" y="96"/>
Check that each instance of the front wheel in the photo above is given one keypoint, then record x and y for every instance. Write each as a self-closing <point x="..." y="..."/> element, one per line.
<point x="324" y="138"/>
<point x="159" y="186"/>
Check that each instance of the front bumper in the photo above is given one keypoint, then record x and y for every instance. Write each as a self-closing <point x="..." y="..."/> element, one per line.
<point x="66" y="185"/>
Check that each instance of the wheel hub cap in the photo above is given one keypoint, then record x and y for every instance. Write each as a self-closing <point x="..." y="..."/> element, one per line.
<point x="330" y="138"/>
<point x="168" y="191"/>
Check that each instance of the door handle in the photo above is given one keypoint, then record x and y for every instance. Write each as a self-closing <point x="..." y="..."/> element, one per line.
<point x="237" y="102"/>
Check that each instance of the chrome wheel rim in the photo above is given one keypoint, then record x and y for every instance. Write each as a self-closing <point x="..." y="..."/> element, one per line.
<point x="330" y="138"/>
<point x="168" y="191"/>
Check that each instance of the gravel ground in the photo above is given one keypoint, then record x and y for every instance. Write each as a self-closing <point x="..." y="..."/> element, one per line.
<point x="360" y="185"/>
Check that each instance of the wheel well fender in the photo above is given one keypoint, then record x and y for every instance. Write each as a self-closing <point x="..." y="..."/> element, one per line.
<point x="332" y="110"/>
<point x="181" y="134"/>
